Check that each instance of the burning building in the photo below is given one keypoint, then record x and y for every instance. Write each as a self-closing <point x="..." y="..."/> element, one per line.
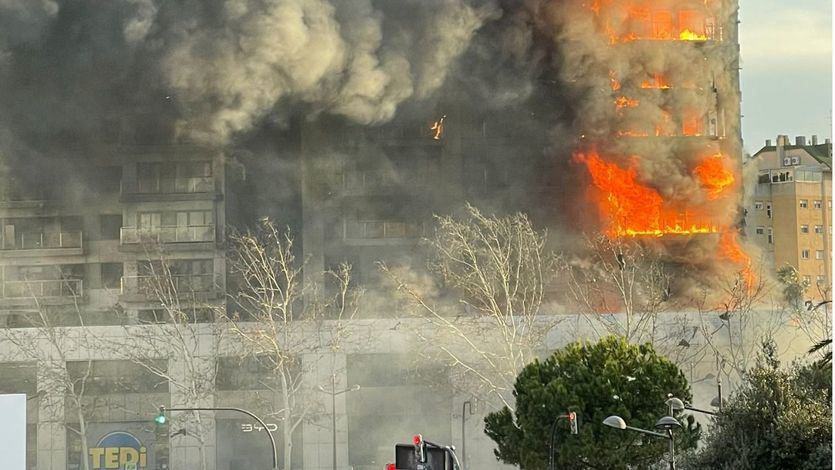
<point x="660" y="127"/>
<point x="353" y="122"/>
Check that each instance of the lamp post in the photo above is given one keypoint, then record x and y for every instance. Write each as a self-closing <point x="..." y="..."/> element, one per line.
<point x="667" y="423"/>
<point x="161" y="419"/>
<point x="333" y="393"/>
<point x="464" y="407"/>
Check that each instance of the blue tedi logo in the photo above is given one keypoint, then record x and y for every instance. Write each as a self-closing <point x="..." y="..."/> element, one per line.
<point x="119" y="450"/>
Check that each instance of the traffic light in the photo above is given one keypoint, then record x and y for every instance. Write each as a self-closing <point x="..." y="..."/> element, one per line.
<point x="420" y="448"/>
<point x="572" y="422"/>
<point x="390" y="466"/>
<point x="160" y="419"/>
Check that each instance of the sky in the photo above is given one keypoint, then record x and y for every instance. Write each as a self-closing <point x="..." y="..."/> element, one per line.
<point x="786" y="48"/>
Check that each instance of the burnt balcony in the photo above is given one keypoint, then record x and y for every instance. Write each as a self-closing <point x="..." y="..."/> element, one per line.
<point x="48" y="291"/>
<point x="43" y="244"/>
<point x="162" y="288"/>
<point x="178" y="234"/>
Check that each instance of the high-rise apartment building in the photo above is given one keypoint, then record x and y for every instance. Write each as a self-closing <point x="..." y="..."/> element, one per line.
<point x="790" y="213"/>
<point x="88" y="250"/>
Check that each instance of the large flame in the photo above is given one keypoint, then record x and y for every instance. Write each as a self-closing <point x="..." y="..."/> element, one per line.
<point x="633" y="209"/>
<point x="730" y="249"/>
<point x="714" y="176"/>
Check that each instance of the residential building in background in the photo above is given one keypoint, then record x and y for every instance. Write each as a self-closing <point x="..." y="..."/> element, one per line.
<point x="790" y="213"/>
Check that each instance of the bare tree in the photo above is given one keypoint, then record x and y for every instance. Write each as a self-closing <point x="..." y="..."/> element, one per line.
<point x="53" y="346"/>
<point x="278" y="318"/>
<point x="735" y="319"/>
<point x="489" y="279"/>
<point x="183" y="329"/>
<point x="810" y="313"/>
<point x="621" y="288"/>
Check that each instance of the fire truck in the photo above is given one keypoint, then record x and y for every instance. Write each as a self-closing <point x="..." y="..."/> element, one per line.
<point x="424" y="455"/>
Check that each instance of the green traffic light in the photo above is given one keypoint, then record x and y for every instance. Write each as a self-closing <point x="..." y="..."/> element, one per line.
<point x="160" y="419"/>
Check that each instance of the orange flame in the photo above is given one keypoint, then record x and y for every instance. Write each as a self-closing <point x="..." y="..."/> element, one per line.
<point x="688" y="35"/>
<point x="730" y="249"/>
<point x="438" y="128"/>
<point x="624" y="102"/>
<point x="692" y="125"/>
<point x="628" y="133"/>
<point x="631" y="208"/>
<point x="659" y="81"/>
<point x="714" y="176"/>
<point x="615" y="81"/>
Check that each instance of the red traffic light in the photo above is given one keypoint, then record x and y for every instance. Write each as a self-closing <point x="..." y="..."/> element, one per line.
<point x="572" y="416"/>
<point x="417" y="439"/>
<point x="390" y="466"/>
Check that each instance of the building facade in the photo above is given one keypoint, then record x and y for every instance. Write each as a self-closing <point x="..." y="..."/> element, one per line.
<point x="79" y="261"/>
<point x="790" y="214"/>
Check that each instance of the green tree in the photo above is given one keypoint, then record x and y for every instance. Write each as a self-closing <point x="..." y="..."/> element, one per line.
<point x="610" y="377"/>
<point x="780" y="418"/>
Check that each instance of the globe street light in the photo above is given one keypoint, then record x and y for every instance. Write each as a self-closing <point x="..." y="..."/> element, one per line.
<point x="667" y="423"/>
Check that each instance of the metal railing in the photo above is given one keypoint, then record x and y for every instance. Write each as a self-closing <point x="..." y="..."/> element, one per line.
<point x="41" y="289"/>
<point x="167" y="234"/>
<point x="381" y="229"/>
<point x="178" y="284"/>
<point x="199" y="184"/>
<point x="43" y="240"/>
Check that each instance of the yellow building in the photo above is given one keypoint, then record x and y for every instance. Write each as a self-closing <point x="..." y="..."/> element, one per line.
<point x="790" y="214"/>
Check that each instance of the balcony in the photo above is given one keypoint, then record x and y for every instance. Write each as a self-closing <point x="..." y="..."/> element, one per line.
<point x="186" y="189"/>
<point x="43" y="244"/>
<point x="383" y="232"/>
<point x="161" y="288"/>
<point x="167" y="234"/>
<point x="49" y="292"/>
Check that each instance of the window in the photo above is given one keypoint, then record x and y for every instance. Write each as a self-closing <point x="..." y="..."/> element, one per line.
<point x="111" y="275"/>
<point x="760" y="230"/>
<point x="807" y="280"/>
<point x="804" y="254"/>
<point x="770" y="236"/>
<point x="818" y="228"/>
<point x="817" y="204"/>
<point x="155" y="220"/>
<point x="183" y="177"/>
<point x="768" y="210"/>
<point x="818" y="254"/>
<point x="758" y="205"/>
<point x="821" y="279"/>
<point x="109" y="226"/>
<point x="804" y="228"/>
<point x="804" y="203"/>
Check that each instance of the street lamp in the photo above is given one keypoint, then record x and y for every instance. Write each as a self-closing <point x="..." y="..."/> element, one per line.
<point x="676" y="404"/>
<point x="667" y="423"/>
<point x="333" y="393"/>
<point x="464" y="407"/>
<point x="161" y="419"/>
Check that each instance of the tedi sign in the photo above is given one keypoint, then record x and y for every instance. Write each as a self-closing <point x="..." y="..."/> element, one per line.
<point x="119" y="450"/>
